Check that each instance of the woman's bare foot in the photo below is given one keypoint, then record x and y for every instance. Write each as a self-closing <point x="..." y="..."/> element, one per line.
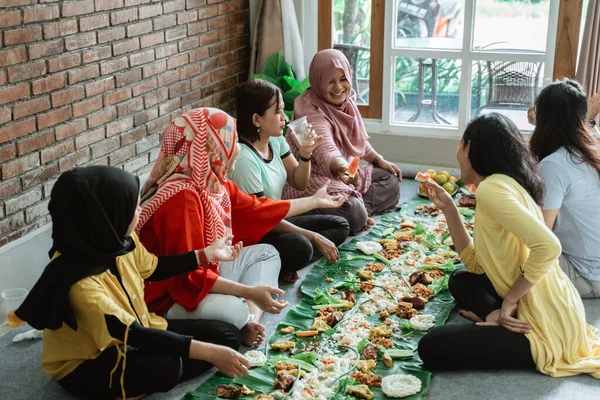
<point x="290" y="277"/>
<point x="253" y="334"/>
<point x="470" y="315"/>
<point x="370" y="223"/>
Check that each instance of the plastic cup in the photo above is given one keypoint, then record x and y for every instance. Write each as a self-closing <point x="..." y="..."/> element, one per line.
<point x="12" y="300"/>
<point x="298" y="126"/>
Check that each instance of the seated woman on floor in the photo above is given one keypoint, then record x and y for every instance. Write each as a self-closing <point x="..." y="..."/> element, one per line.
<point x="570" y="167"/>
<point x="188" y="204"/>
<point x="534" y="317"/>
<point x="330" y="105"/>
<point x="263" y="167"/>
<point x="100" y="340"/>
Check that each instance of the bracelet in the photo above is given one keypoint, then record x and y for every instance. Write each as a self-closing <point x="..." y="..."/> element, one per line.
<point x="304" y="158"/>
<point x="202" y="256"/>
<point x="376" y="160"/>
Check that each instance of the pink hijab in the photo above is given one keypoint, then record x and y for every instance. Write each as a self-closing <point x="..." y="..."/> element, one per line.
<point x="346" y="123"/>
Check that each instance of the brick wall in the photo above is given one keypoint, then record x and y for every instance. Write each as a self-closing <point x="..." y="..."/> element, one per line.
<point x="96" y="81"/>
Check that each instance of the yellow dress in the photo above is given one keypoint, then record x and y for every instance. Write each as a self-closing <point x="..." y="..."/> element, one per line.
<point x="509" y="237"/>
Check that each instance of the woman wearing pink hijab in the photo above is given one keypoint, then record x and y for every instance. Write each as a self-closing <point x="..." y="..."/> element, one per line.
<point x="330" y="106"/>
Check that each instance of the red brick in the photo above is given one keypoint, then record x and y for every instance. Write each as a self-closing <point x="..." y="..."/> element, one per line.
<point x="154" y="68"/>
<point x="200" y="81"/>
<point x="71" y="129"/>
<point x="144" y="87"/>
<point x="119" y="126"/>
<point x="22" y="35"/>
<point x="148" y="143"/>
<point x="218" y="49"/>
<point x="61" y="28"/>
<point x="177" y="61"/>
<point x="129" y="3"/>
<point x="188" y="44"/>
<point x="9" y="152"/>
<point x="93" y="22"/>
<point x="10" y="189"/>
<point x="111" y="34"/>
<point x="87" y="106"/>
<point x="56" y="151"/>
<point x="166" y="50"/>
<point x="64" y="62"/>
<point x="150" y="11"/>
<point x="75" y="42"/>
<point x="4" y="115"/>
<point x="209" y="38"/>
<point x="23" y="201"/>
<point x="102" y="117"/>
<point x="46" y="49"/>
<point x="195" y="3"/>
<point x="237" y="68"/>
<point x="176" y="33"/>
<point x="152" y="39"/>
<point x="31" y="107"/>
<point x="197" y="27"/>
<point x="187" y="16"/>
<point x="210" y="64"/>
<point x="104" y="147"/>
<point x="218" y="87"/>
<point x="143" y="57"/>
<point x="20" y="165"/>
<point x="169" y="106"/>
<point x="89" y="137"/>
<point x="229" y="6"/>
<point x="48" y="84"/>
<point x="26" y="71"/>
<point x="101" y="86"/>
<point x="114" y="65"/>
<point x="121" y="155"/>
<point x="207" y="12"/>
<point x="10" y="18"/>
<point x="96" y="54"/>
<point x="139" y="29"/>
<point x="158" y="125"/>
<point x="103" y="5"/>
<point x="123" y="16"/>
<point x="18" y="129"/>
<point x="219" y="74"/>
<point x="126" y="46"/>
<point x="73" y="160"/>
<point x="33" y="143"/>
<point x="78" y="8"/>
<point x="54" y="117"/>
<point x="238" y="43"/>
<point x="168" y="78"/>
<point x="172" y="6"/>
<point x="117" y="96"/>
<point x="12" y="93"/>
<point x="227" y="59"/>
<point x="38" y="14"/>
<point x="233" y="31"/>
<point x="145" y="116"/>
<point x="67" y="96"/>
<point x="11" y="224"/>
<point x="130" y="107"/>
<point x="136" y="163"/>
<point x="199" y="54"/>
<point x="84" y="74"/>
<point x="158" y="96"/>
<point x="129" y="77"/>
<point x="179" y="89"/>
<point x="238" y="18"/>
<point x="133" y="136"/>
<point x="165" y="22"/>
<point x="37" y="211"/>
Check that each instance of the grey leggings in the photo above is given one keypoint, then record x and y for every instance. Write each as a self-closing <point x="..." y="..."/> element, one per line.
<point x="382" y="196"/>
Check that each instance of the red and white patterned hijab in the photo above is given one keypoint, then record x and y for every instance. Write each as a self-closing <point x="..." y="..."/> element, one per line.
<point x="196" y="149"/>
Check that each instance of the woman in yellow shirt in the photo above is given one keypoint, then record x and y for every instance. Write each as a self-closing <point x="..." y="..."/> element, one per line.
<point x="100" y="341"/>
<point x="531" y="314"/>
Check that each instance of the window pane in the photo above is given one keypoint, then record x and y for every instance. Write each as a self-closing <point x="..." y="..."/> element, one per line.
<point x="421" y="99"/>
<point x="430" y="24"/>
<point x="352" y="36"/>
<point x="511" y="25"/>
<point x="506" y="87"/>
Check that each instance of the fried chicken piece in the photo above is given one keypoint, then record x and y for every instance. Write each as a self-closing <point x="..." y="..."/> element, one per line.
<point x="375" y="267"/>
<point x="385" y="342"/>
<point x="360" y="391"/>
<point x="349" y="295"/>
<point x="331" y="316"/>
<point x="366" y="287"/>
<point x="384" y="314"/>
<point x="366" y="275"/>
<point x="369" y="379"/>
<point x="406" y="237"/>
<point x="264" y="397"/>
<point x="366" y="365"/>
<point x="233" y="392"/>
<point x="387" y="360"/>
<point x="421" y="290"/>
<point x="416" y="301"/>
<point x="380" y="331"/>
<point x="283" y="345"/>
<point x="284" y="382"/>
<point x="319" y="325"/>
<point x="404" y="310"/>
<point x="415" y="277"/>
<point x="435" y="273"/>
<point x="370" y="352"/>
<point x="328" y="279"/>
<point x="332" y="291"/>
<point x="285" y="331"/>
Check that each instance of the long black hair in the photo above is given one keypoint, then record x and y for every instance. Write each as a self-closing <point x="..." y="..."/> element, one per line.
<point x="255" y="96"/>
<point x="561" y="120"/>
<point x="497" y="147"/>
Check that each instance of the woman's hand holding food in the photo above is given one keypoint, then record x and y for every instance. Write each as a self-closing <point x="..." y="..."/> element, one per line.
<point x="438" y="195"/>
<point x="261" y="296"/>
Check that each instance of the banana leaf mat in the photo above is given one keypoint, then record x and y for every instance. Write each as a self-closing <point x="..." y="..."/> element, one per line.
<point x="302" y="315"/>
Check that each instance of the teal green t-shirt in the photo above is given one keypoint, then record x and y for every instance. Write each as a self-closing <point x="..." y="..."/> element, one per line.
<point x="255" y="175"/>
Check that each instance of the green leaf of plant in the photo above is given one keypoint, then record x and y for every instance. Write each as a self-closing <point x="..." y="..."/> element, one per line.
<point x="289" y="96"/>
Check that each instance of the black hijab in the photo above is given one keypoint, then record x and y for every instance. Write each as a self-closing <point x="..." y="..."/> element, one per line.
<point x="91" y="209"/>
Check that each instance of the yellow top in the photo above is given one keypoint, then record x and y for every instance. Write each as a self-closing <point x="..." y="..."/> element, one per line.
<point x="510" y="236"/>
<point x="91" y="299"/>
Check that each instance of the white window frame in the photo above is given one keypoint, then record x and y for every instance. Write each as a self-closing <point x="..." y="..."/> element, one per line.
<point x="466" y="55"/>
